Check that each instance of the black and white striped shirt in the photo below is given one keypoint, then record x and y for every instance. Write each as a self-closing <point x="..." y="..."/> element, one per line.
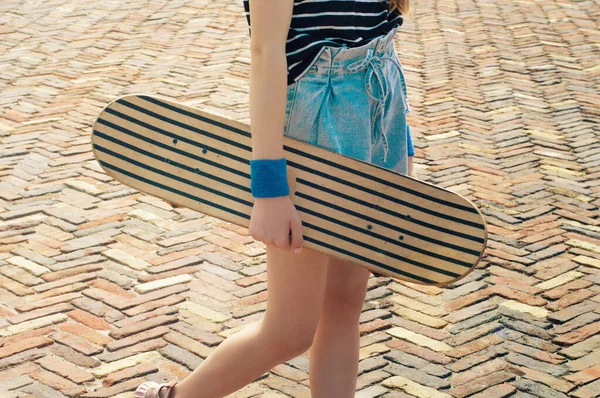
<point x="318" y="23"/>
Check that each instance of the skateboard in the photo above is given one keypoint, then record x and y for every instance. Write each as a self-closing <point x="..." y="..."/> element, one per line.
<point x="389" y="223"/>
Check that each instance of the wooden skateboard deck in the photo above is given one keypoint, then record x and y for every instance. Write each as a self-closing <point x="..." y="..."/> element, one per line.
<point x="389" y="223"/>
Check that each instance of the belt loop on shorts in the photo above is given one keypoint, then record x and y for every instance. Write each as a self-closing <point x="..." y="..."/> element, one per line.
<point x="374" y="65"/>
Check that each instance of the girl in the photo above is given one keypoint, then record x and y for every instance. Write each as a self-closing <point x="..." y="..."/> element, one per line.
<point x="345" y="92"/>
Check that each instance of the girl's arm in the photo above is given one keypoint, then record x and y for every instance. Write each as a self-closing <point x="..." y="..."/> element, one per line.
<point x="269" y="25"/>
<point x="411" y="153"/>
<point x="411" y="148"/>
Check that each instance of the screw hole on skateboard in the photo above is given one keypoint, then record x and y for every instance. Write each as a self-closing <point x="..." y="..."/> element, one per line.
<point x="204" y="151"/>
<point x="401" y="237"/>
<point x="369" y="227"/>
<point x="408" y="217"/>
<point x="174" y="141"/>
<point x="167" y="160"/>
<point x="197" y="171"/>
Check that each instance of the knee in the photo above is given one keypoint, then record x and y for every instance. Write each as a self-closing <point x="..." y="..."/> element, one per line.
<point x="345" y="299"/>
<point x="345" y="305"/>
<point x="288" y="342"/>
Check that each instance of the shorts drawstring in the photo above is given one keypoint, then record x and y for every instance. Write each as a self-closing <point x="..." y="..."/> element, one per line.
<point x="373" y="64"/>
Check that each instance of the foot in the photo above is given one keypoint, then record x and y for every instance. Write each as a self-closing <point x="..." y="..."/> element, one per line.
<point x="151" y="389"/>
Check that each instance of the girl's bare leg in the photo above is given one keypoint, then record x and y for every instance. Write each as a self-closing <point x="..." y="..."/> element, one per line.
<point x="295" y="286"/>
<point x="335" y="351"/>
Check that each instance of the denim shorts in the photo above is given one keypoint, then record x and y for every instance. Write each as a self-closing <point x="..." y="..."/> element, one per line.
<point x="353" y="101"/>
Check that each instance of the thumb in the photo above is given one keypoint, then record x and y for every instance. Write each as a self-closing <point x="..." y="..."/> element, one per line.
<point x="297" y="240"/>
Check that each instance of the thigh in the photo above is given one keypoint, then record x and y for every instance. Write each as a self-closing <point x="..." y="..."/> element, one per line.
<point x="295" y="286"/>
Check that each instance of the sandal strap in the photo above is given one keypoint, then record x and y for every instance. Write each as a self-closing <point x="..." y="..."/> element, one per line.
<point x="169" y="386"/>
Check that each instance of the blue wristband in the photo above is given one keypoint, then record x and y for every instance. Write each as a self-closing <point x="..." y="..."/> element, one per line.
<point x="411" y="149"/>
<point x="268" y="178"/>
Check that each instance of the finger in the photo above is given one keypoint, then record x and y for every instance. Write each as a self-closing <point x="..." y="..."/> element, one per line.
<point x="296" y="238"/>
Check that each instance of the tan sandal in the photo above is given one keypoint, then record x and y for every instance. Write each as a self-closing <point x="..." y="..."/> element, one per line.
<point x="150" y="389"/>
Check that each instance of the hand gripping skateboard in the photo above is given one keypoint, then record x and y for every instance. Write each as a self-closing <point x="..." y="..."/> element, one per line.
<point x="389" y="223"/>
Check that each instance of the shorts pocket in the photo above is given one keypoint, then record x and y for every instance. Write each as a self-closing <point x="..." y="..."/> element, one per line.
<point x="404" y="90"/>
<point x="289" y="106"/>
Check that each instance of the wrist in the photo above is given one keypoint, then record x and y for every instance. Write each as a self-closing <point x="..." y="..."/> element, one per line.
<point x="268" y="178"/>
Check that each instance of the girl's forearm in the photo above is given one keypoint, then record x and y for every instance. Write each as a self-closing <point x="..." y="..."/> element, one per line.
<point x="411" y="169"/>
<point x="268" y="96"/>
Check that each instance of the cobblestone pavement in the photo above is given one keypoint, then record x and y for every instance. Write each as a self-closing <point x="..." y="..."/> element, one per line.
<point x="102" y="287"/>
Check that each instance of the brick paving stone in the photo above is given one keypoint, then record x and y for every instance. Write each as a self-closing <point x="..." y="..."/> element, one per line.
<point x="141" y="326"/>
<point x="585" y="376"/>
<point x="89" y="320"/>
<point x="497" y="391"/>
<point x="525" y="361"/>
<point x="543" y="378"/>
<point x="73" y="356"/>
<point x="468" y="361"/>
<point x="33" y="324"/>
<point x="153" y="305"/>
<point x="77" y="343"/>
<point x="587" y="391"/>
<point x="578" y="321"/>
<point x="473" y="333"/>
<point x="41" y="390"/>
<point x="59" y="275"/>
<point x="28" y="265"/>
<point x="203" y="336"/>
<point x="419" y="339"/>
<point x="24" y="345"/>
<point x="527" y="328"/>
<point x="65" y="369"/>
<point x="181" y="356"/>
<point x="413" y="388"/>
<point x="475" y="346"/>
<point x="573" y="286"/>
<point x="82" y="253"/>
<point x="369" y="364"/>
<point x="159" y="294"/>
<point x="85" y="332"/>
<point x="57" y="382"/>
<point x="32" y="315"/>
<point x="422" y="352"/>
<point x="129" y="373"/>
<point x="371" y="392"/>
<point x="482" y="383"/>
<point x="64" y="281"/>
<point x="173" y="265"/>
<point x="162" y="283"/>
<point x="129" y="385"/>
<point x="486" y="368"/>
<point x="528" y="340"/>
<point x="417" y="376"/>
<point x="537" y="389"/>
<point x="573" y="311"/>
<point x="98" y="309"/>
<point x="146" y="346"/>
<point x="17" y="274"/>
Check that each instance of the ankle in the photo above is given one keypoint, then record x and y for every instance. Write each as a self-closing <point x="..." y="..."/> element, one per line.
<point x="175" y="392"/>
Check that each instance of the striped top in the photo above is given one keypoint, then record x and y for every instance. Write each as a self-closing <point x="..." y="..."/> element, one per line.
<point x="318" y="23"/>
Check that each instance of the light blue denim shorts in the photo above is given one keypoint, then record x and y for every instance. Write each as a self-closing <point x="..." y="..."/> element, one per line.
<point x="353" y="101"/>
